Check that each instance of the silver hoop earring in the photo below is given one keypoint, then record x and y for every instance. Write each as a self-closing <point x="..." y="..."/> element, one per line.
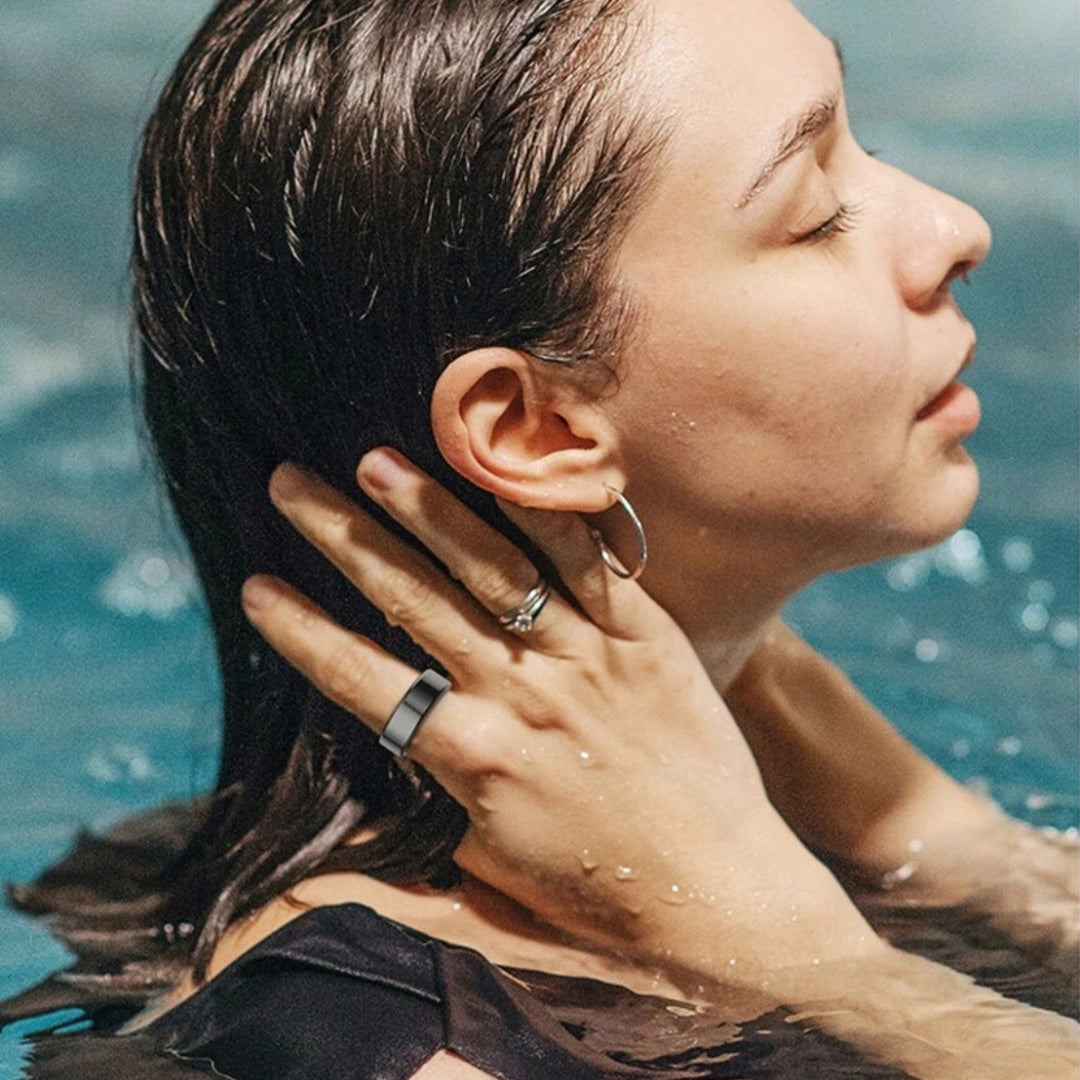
<point x="609" y="557"/>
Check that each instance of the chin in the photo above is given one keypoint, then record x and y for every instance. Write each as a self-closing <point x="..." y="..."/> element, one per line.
<point x="932" y="515"/>
<point x="944" y="507"/>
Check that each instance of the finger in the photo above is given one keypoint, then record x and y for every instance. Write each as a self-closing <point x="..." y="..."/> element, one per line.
<point x="492" y="568"/>
<point x="619" y="607"/>
<point x="351" y="670"/>
<point x="440" y="617"/>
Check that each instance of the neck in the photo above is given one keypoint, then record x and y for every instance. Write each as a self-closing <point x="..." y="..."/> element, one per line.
<point x="724" y="600"/>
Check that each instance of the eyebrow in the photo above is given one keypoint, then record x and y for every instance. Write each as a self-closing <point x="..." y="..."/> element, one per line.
<point x="794" y="136"/>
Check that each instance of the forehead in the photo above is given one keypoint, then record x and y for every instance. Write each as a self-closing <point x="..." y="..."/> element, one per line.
<point x="726" y="75"/>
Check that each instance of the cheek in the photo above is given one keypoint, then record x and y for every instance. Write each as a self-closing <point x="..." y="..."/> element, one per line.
<point x="789" y="381"/>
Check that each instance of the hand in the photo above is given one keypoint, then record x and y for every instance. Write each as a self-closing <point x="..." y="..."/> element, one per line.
<point x="606" y="784"/>
<point x="599" y="768"/>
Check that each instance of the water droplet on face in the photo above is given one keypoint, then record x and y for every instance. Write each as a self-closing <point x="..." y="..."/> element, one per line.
<point x="915" y="847"/>
<point x="674" y="895"/>
<point x="586" y="759"/>
<point x="464" y="647"/>
<point x="625" y="873"/>
<point x="588" y="861"/>
<point x="456" y="905"/>
<point x="732" y="962"/>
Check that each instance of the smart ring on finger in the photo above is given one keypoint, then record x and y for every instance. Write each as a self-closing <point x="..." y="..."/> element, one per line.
<point x="410" y="711"/>
<point x="522" y="617"/>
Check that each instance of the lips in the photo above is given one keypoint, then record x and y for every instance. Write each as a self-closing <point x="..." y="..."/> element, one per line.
<point x="949" y="393"/>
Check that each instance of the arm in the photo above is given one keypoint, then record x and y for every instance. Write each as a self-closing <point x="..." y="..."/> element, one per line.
<point x="842" y="776"/>
<point x="853" y="788"/>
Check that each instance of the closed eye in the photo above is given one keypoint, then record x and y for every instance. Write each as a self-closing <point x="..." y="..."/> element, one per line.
<point x="844" y="220"/>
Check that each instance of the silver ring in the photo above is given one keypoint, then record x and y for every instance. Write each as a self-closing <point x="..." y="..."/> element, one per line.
<point x="522" y="617"/>
<point x="410" y="711"/>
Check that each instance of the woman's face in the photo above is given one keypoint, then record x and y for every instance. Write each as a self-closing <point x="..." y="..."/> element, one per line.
<point x="791" y="380"/>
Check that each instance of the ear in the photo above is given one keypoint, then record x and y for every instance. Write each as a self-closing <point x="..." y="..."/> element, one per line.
<point x="519" y="428"/>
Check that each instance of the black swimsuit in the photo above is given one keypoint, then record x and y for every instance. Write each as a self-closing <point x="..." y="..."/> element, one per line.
<point x="341" y="993"/>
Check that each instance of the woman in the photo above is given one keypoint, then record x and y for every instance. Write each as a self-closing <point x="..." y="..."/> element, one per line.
<point x="565" y="254"/>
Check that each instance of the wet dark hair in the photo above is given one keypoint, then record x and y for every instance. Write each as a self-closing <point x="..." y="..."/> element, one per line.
<point x="335" y="198"/>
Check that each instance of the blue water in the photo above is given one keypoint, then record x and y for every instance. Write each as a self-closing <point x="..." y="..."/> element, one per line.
<point x="107" y="688"/>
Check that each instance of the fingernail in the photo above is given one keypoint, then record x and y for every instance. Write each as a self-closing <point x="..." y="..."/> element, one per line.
<point x="260" y="592"/>
<point x="286" y="481"/>
<point x="382" y="469"/>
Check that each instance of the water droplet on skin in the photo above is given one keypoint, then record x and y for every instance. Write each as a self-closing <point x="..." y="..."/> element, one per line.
<point x="732" y="962"/>
<point x="588" y="861"/>
<point x="456" y="905"/>
<point x="692" y="425"/>
<point x="680" y="1011"/>
<point x="915" y="847"/>
<point x="898" y="876"/>
<point x="816" y="961"/>
<point x="674" y="895"/>
<point x="586" y="759"/>
<point x="464" y="647"/>
<point x="625" y="873"/>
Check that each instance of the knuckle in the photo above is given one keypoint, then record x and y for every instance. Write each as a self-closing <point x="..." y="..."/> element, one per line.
<point x="409" y="599"/>
<point x="475" y="752"/>
<point x="342" y="675"/>
<point x="497" y="588"/>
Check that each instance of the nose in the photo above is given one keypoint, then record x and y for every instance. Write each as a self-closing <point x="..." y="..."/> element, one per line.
<point x="938" y="239"/>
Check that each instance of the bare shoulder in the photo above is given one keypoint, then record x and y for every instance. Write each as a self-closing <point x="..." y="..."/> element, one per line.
<point x="447" y="1066"/>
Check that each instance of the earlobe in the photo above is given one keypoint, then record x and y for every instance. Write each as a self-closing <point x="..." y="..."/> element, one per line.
<point x="513" y="425"/>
